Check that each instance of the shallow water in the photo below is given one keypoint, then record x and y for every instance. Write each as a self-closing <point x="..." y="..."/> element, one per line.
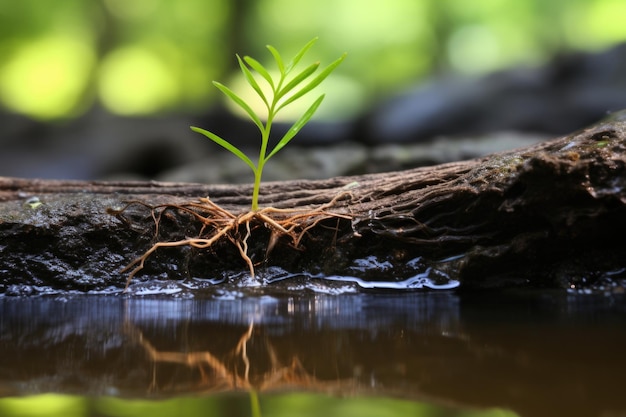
<point x="422" y="353"/>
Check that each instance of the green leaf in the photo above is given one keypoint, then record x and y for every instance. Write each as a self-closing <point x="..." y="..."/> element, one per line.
<point x="223" y="143"/>
<point x="299" y="55"/>
<point x="251" y="80"/>
<point x="234" y="97"/>
<point x="295" y="128"/>
<point x="281" y="89"/>
<point x="297" y="80"/>
<point x="314" y="83"/>
<point x="256" y="65"/>
<point x="277" y="57"/>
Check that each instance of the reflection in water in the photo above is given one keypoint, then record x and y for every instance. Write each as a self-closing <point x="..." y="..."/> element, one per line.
<point x="538" y="354"/>
<point x="236" y="372"/>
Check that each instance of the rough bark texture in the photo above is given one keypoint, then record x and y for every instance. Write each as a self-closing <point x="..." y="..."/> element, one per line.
<point x="549" y="215"/>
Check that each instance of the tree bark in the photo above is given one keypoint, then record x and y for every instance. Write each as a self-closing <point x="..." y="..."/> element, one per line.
<point x="551" y="215"/>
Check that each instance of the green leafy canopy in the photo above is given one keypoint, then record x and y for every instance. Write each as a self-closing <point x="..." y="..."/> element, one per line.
<point x="284" y="91"/>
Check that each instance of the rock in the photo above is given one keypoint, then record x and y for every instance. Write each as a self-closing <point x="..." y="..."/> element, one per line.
<point x="567" y="94"/>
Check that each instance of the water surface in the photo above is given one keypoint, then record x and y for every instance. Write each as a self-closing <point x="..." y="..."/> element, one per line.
<point x="531" y="353"/>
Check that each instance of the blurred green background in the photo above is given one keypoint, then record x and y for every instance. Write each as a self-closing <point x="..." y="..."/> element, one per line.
<point x="59" y="58"/>
<point x="275" y="405"/>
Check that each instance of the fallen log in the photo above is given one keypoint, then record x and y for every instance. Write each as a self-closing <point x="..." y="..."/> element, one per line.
<point x="551" y="215"/>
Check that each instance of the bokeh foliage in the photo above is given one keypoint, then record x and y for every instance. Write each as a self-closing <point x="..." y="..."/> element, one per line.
<point x="59" y="58"/>
<point x="293" y="404"/>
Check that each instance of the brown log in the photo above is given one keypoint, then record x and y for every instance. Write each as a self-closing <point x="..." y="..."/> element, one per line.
<point x="550" y="215"/>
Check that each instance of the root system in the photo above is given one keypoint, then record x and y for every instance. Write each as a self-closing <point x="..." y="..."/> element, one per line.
<point x="218" y="224"/>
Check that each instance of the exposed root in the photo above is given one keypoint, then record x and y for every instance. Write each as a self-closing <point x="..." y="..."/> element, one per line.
<point x="219" y="224"/>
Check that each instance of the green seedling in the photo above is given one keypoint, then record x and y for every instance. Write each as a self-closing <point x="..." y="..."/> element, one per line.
<point x="218" y="224"/>
<point x="284" y="91"/>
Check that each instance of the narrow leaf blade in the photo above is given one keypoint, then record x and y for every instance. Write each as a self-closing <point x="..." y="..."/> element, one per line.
<point x="315" y="82"/>
<point x="226" y="145"/>
<point x="250" y="78"/>
<point x="278" y="59"/>
<point x="297" y="80"/>
<point x="299" y="55"/>
<point x="296" y="127"/>
<point x="256" y="65"/>
<point x="234" y="97"/>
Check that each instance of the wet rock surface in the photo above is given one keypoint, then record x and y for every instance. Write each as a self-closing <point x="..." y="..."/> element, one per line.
<point x="64" y="244"/>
